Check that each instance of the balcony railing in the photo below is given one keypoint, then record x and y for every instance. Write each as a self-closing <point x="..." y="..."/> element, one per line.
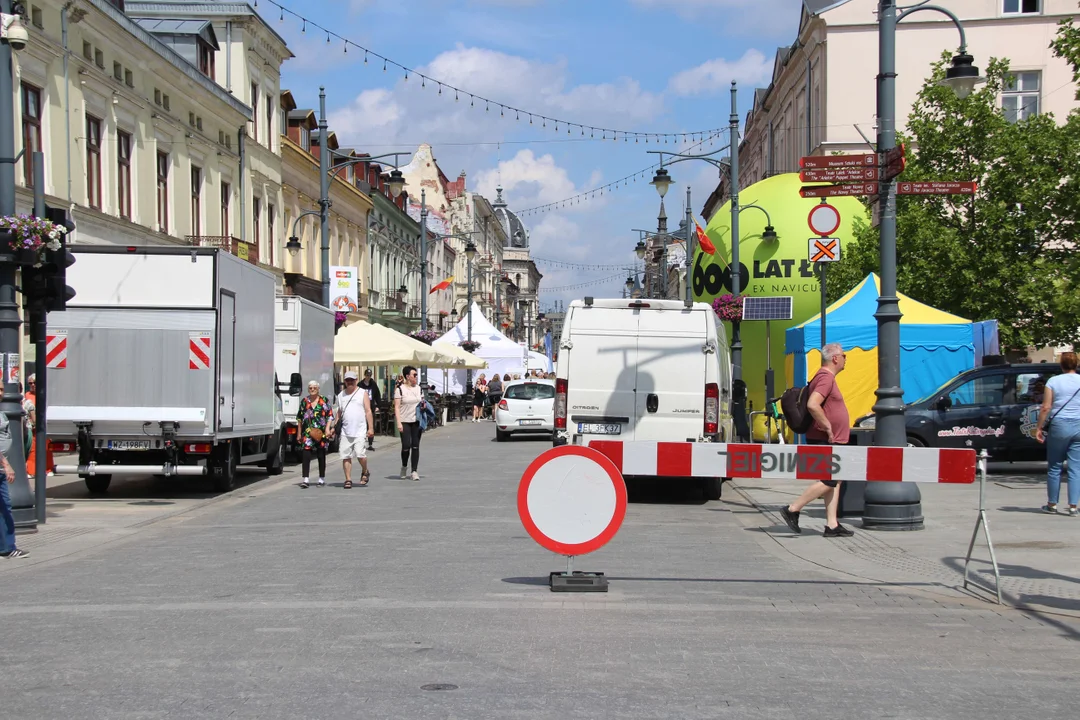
<point x="233" y="246"/>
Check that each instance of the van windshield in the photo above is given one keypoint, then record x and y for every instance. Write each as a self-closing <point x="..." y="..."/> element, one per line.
<point x="530" y="391"/>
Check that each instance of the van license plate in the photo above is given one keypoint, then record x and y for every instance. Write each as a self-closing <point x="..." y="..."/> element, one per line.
<point x="599" y="428"/>
<point x="129" y="444"/>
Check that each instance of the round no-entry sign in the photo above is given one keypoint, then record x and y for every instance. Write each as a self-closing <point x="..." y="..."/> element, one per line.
<point x="572" y="500"/>
<point x="823" y="219"/>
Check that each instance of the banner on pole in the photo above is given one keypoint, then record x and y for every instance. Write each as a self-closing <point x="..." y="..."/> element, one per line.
<point x="344" y="288"/>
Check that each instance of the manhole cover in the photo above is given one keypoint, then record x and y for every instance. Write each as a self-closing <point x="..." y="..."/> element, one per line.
<point x="439" y="686"/>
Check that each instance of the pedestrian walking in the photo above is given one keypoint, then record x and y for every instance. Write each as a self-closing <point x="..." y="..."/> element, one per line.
<point x="8" y="549"/>
<point x="479" y="393"/>
<point x="368" y="384"/>
<point x="407" y="400"/>
<point x="30" y="408"/>
<point x="356" y="426"/>
<point x="314" y="418"/>
<point x="495" y="391"/>
<point x="1059" y="428"/>
<point x="832" y="426"/>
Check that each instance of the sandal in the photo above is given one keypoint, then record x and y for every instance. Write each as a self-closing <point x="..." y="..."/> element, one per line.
<point x="348" y="484"/>
<point x="364" y="479"/>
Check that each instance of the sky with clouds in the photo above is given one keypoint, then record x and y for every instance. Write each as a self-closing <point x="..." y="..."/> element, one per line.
<point x="647" y="66"/>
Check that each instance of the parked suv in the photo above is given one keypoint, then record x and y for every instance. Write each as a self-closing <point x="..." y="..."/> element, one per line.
<point x="994" y="407"/>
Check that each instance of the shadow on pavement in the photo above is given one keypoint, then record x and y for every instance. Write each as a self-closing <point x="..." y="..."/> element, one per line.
<point x="150" y="489"/>
<point x="1019" y="509"/>
<point x="650" y="491"/>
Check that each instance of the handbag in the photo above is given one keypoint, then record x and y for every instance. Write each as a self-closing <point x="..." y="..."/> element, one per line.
<point x="1046" y="425"/>
<point x="341" y="415"/>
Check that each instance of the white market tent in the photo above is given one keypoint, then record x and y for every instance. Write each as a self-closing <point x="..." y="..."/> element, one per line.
<point x="503" y="355"/>
<point x="539" y="361"/>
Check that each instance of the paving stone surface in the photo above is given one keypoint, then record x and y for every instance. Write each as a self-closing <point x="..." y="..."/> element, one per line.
<point x="277" y="602"/>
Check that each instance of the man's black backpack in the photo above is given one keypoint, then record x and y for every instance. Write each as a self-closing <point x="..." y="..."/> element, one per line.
<point x="793" y="405"/>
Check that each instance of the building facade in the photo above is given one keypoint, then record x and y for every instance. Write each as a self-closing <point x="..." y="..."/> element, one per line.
<point x="349" y="216"/>
<point x="139" y="143"/>
<point x="822" y="97"/>
<point x="247" y="65"/>
<point x="524" y="277"/>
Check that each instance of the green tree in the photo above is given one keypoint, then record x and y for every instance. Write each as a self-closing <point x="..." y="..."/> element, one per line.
<point x="1006" y="253"/>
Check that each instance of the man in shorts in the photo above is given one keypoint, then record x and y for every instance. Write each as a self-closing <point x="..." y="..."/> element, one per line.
<point x="832" y="426"/>
<point x="357" y="425"/>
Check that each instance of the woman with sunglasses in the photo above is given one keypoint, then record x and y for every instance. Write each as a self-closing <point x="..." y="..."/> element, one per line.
<point x="315" y="418"/>
<point x="407" y="398"/>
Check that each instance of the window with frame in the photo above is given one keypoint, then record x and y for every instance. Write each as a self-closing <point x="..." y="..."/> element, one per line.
<point x="271" y="218"/>
<point x="196" y="200"/>
<point x="305" y="138"/>
<point x="206" y="59"/>
<point x="270" y="121"/>
<point x="31" y="127"/>
<point x="163" y="191"/>
<point x="93" y="162"/>
<point x="1029" y="388"/>
<point x="985" y="390"/>
<point x="1020" y="95"/>
<point x="226" y="202"/>
<point x="254" y="112"/>
<point x="123" y="173"/>
<point x="256" y="215"/>
<point x="1021" y="7"/>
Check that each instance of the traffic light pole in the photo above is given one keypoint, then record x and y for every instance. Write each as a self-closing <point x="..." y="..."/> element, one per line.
<point x="10" y="322"/>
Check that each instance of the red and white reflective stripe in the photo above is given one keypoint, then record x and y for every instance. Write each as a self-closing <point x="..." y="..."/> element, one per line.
<point x="56" y="350"/>
<point x="791" y="462"/>
<point x="199" y="351"/>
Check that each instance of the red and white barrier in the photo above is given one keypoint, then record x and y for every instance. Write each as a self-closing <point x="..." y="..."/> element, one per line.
<point x="790" y="462"/>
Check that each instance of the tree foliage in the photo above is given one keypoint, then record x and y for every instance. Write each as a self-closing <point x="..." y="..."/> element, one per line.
<point x="1010" y="251"/>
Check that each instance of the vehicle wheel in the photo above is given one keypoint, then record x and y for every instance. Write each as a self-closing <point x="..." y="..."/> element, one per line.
<point x="224" y="478"/>
<point x="501" y="436"/>
<point x="712" y="487"/>
<point x="275" y="465"/>
<point x="913" y="441"/>
<point x="97" y="484"/>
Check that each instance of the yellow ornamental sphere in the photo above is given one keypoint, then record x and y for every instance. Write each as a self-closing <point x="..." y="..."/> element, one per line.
<point x="769" y="268"/>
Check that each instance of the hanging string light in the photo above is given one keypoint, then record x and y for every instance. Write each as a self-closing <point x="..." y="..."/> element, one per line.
<point x="672" y="136"/>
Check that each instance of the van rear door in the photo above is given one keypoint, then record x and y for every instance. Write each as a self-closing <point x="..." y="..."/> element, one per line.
<point x="601" y="369"/>
<point x="670" y="402"/>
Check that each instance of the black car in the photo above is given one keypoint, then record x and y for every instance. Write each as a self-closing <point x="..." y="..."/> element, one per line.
<point x="994" y="407"/>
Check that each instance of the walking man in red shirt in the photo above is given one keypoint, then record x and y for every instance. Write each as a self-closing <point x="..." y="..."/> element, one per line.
<point x="832" y="426"/>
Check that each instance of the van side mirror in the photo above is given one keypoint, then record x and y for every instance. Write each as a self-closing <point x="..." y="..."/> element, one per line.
<point x="944" y="403"/>
<point x="296" y="384"/>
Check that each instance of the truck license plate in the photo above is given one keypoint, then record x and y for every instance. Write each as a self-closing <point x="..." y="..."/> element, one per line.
<point x="129" y="444"/>
<point x="599" y="428"/>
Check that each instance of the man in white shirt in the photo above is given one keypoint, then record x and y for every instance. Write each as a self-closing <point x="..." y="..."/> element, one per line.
<point x="357" y="425"/>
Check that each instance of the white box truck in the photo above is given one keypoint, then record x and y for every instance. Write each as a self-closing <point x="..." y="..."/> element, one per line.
<point x="168" y="366"/>
<point x="304" y="345"/>
<point x="653" y="370"/>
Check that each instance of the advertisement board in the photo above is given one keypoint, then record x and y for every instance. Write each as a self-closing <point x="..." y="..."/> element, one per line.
<point x="344" y="288"/>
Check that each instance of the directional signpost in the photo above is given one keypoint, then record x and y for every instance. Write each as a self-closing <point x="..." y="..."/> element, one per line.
<point x="844" y="174"/>
<point x="862" y="175"/>
<point x="936" y="187"/>
<point x="827" y="191"/>
<point x="818" y="162"/>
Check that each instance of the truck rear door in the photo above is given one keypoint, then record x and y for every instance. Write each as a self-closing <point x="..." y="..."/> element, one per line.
<point x="601" y="374"/>
<point x="670" y="381"/>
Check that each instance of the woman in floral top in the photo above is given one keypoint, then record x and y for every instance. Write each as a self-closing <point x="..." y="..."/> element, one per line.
<point x="315" y="417"/>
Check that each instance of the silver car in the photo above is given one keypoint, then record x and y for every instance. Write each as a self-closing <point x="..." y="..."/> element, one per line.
<point x="527" y="406"/>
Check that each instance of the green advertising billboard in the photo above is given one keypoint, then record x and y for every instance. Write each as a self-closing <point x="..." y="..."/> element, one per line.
<point x="769" y="268"/>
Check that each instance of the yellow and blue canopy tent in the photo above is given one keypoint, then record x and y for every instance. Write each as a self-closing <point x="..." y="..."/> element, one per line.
<point x="934" y="346"/>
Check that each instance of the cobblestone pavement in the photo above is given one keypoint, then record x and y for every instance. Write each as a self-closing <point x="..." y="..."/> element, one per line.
<point x="278" y="602"/>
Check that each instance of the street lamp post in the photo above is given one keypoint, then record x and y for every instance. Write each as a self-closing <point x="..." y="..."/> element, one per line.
<point x="324" y="197"/>
<point x="10" y="322"/>
<point x="470" y="253"/>
<point x="897" y="507"/>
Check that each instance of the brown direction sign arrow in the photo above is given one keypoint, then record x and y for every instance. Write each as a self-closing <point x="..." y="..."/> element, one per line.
<point x="937" y="187"/>
<point x="842" y="174"/>
<point x="824" y="191"/>
<point x="816" y="162"/>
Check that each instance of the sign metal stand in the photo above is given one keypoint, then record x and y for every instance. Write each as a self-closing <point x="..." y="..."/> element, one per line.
<point x="981" y="522"/>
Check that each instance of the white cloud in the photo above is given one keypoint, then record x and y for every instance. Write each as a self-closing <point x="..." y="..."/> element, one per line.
<point x="526" y="179"/>
<point x="751" y="70"/>
<point x="409" y="113"/>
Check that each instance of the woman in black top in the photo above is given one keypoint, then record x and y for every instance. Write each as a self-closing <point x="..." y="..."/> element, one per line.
<point x="495" y="390"/>
<point x="479" y="393"/>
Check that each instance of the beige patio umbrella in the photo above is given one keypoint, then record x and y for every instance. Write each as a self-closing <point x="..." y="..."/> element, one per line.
<point x="362" y="343"/>
<point x="468" y="360"/>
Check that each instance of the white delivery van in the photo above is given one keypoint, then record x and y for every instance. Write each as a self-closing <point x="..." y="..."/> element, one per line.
<point x="655" y="370"/>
